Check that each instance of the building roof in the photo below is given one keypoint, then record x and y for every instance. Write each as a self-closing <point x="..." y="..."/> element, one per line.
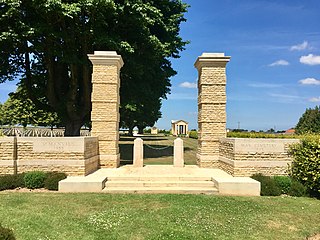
<point x="176" y="121"/>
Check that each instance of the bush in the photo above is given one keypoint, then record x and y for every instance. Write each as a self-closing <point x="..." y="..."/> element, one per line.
<point x="306" y="162"/>
<point x="193" y="134"/>
<point x="268" y="185"/>
<point x="297" y="189"/>
<point x="11" y="181"/>
<point x="284" y="183"/>
<point x="6" y="234"/>
<point x="52" y="180"/>
<point x="34" y="179"/>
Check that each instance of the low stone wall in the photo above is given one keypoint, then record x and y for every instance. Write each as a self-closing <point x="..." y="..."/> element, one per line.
<point x="7" y="155"/>
<point x="76" y="156"/>
<point x="247" y="156"/>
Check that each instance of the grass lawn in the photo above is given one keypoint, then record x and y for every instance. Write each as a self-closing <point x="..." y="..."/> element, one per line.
<point x="157" y="149"/>
<point x="35" y="216"/>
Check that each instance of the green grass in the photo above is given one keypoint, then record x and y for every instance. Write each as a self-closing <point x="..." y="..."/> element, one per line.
<point x="157" y="150"/>
<point x="35" y="216"/>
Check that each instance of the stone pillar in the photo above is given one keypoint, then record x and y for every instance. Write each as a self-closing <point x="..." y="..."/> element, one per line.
<point x="178" y="159"/>
<point x="211" y="106"/>
<point x="105" y="105"/>
<point x="138" y="152"/>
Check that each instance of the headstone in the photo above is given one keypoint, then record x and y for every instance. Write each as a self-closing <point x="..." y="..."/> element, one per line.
<point x="178" y="158"/>
<point x="138" y="152"/>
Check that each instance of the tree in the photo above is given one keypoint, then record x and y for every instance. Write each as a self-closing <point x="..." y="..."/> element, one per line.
<point x="45" y="44"/>
<point x="19" y="109"/>
<point x="309" y="122"/>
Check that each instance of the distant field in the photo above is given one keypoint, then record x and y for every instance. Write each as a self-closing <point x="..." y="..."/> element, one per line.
<point x="157" y="149"/>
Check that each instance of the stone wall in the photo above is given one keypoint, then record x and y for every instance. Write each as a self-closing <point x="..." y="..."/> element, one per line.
<point x="76" y="156"/>
<point x="7" y="155"/>
<point x="247" y="156"/>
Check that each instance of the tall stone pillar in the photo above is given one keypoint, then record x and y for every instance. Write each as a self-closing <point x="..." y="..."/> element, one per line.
<point x="105" y="105"/>
<point x="211" y="106"/>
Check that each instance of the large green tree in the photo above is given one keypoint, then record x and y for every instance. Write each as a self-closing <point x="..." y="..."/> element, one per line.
<point x="20" y="110"/>
<point x="45" y="44"/>
<point x="309" y="122"/>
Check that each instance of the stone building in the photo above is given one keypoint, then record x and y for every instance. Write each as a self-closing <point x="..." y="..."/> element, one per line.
<point x="179" y="127"/>
<point x="154" y="130"/>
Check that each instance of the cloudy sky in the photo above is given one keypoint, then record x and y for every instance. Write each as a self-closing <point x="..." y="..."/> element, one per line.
<point x="274" y="72"/>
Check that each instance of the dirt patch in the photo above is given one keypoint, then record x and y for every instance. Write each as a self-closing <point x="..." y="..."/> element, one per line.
<point x="314" y="237"/>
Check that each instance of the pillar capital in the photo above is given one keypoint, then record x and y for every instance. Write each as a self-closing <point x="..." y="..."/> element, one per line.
<point x="106" y="58"/>
<point x="211" y="60"/>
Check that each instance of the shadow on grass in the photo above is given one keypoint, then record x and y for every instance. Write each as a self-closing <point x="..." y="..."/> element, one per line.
<point x="157" y="151"/>
<point x="150" y="153"/>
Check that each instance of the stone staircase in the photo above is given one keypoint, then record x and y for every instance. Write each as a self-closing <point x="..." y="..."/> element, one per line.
<point x="159" y="184"/>
<point x="189" y="179"/>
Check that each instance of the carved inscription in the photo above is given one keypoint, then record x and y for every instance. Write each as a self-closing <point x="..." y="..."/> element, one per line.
<point x="259" y="146"/>
<point x="58" y="145"/>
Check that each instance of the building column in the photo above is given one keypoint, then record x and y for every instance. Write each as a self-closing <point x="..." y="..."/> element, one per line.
<point x="105" y="100"/>
<point x="211" y="106"/>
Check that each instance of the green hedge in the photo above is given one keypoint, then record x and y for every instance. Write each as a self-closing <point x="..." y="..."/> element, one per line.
<point x="193" y="134"/>
<point x="305" y="166"/>
<point x="52" y="180"/>
<point x="11" y="181"/>
<point x="277" y="185"/>
<point x="32" y="180"/>
<point x="260" y="135"/>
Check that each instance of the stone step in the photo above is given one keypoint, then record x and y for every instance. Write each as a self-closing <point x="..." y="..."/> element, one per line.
<point x="202" y="184"/>
<point x="159" y="178"/>
<point x="164" y="190"/>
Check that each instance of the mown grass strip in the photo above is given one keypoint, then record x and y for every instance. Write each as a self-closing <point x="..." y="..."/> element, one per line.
<point x="103" y="216"/>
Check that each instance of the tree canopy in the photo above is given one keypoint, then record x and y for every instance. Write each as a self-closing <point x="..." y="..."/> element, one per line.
<point x="20" y="110"/>
<point x="309" y="122"/>
<point x="45" y="44"/>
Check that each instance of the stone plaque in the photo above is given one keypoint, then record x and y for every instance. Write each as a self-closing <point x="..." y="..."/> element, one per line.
<point x="58" y="145"/>
<point x="259" y="145"/>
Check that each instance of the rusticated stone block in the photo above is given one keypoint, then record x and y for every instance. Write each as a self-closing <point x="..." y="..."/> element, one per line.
<point x="212" y="113"/>
<point x="213" y="75"/>
<point x="105" y="111"/>
<point x="105" y="92"/>
<point x="105" y="74"/>
<point x="211" y="131"/>
<point x="103" y="126"/>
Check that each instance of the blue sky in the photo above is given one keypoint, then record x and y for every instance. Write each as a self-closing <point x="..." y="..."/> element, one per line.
<point x="274" y="72"/>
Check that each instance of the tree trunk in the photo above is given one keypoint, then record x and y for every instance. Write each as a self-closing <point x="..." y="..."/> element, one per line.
<point x="140" y="129"/>
<point x="130" y="131"/>
<point x="72" y="128"/>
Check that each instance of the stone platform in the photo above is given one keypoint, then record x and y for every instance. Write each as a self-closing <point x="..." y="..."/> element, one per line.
<point x="162" y="179"/>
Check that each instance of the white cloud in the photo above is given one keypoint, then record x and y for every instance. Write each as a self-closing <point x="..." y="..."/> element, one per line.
<point x="310" y="59"/>
<point x="309" y="81"/>
<point x="264" y="85"/>
<point x="279" y="63"/>
<point x="300" y="47"/>
<point x="188" y="85"/>
<point x="314" y="99"/>
<point x="284" y="96"/>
